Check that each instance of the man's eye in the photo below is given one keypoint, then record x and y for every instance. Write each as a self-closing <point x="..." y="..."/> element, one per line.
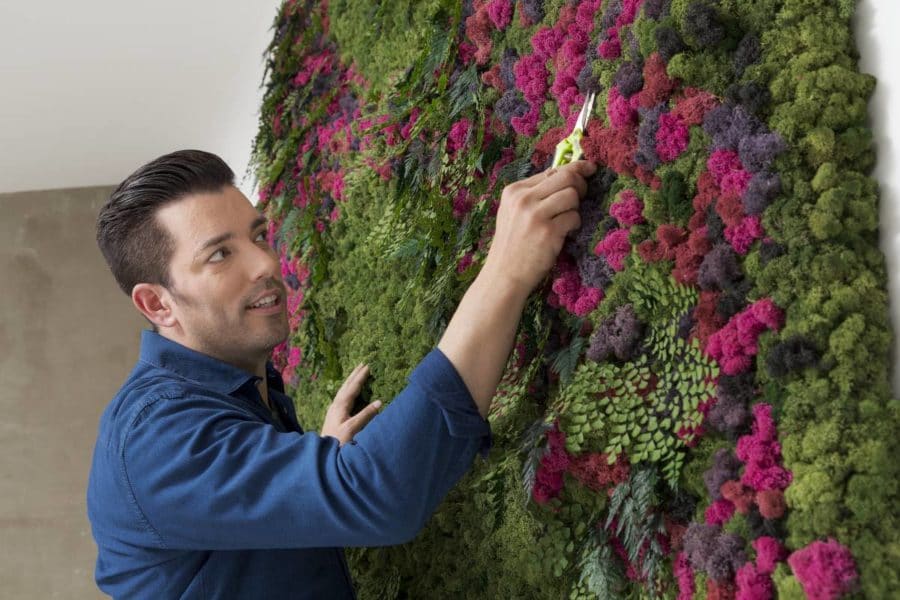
<point x="219" y="255"/>
<point x="262" y="234"/>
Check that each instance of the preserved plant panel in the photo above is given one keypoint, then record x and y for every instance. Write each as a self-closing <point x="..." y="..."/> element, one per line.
<point x="698" y="402"/>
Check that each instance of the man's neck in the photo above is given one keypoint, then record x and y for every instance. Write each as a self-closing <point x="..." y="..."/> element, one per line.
<point x="263" y="387"/>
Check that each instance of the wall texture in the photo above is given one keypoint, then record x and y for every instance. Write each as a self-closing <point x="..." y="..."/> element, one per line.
<point x="68" y="338"/>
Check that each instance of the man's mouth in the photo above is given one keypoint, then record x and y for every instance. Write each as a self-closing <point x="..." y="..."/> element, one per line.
<point x="269" y="301"/>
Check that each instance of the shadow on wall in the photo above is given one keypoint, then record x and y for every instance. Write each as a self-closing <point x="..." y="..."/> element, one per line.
<point x="68" y="338"/>
<point x="873" y="26"/>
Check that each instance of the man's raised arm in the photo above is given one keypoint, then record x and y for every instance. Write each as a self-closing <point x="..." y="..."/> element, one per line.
<point x="534" y="217"/>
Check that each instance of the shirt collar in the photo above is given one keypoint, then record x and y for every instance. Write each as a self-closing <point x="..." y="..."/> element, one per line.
<point x="203" y="369"/>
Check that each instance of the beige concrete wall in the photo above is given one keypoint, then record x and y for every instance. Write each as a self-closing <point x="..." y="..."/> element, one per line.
<point x="68" y="338"/>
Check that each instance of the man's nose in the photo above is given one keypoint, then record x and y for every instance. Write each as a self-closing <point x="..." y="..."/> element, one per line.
<point x="263" y="263"/>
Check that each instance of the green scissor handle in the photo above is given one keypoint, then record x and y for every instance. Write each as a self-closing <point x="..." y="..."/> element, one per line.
<point x="568" y="150"/>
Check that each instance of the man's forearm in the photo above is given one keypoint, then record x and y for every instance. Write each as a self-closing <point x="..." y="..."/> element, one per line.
<point x="481" y="333"/>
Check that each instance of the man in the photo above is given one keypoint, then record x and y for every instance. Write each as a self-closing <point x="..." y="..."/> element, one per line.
<point x="203" y="484"/>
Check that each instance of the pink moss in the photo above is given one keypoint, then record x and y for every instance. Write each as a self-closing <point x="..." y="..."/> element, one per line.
<point x="671" y="137"/>
<point x="719" y="512"/>
<point x="685" y="577"/>
<point x="628" y="210"/>
<point x="734" y="346"/>
<point x="742" y="236"/>
<point x="769" y="552"/>
<point x="615" y="247"/>
<point x="458" y="136"/>
<point x="568" y="292"/>
<point x="500" y="12"/>
<point x="622" y="111"/>
<point x="752" y="584"/>
<point x="825" y="570"/>
<point x="761" y="453"/>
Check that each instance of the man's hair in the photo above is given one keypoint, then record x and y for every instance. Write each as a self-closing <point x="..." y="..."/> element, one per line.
<point x="136" y="246"/>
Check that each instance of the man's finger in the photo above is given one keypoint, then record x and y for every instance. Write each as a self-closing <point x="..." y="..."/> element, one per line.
<point x="350" y="376"/>
<point x="534" y="179"/>
<point x="362" y="418"/>
<point x="558" y="202"/>
<point x="352" y="385"/>
<point x="567" y="222"/>
<point x="565" y="176"/>
<point x="585" y="167"/>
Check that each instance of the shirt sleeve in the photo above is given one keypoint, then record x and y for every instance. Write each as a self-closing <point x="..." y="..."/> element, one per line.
<point x="203" y="476"/>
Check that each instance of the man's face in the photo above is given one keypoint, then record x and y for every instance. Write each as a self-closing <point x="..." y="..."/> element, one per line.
<point x="221" y="267"/>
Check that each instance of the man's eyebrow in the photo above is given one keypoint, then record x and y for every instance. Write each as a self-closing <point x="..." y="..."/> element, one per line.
<point x="261" y="220"/>
<point x="212" y="242"/>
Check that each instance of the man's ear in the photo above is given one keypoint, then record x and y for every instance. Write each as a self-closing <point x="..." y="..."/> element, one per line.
<point x="155" y="303"/>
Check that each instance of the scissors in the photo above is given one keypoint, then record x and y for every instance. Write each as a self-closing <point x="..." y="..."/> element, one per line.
<point x="569" y="149"/>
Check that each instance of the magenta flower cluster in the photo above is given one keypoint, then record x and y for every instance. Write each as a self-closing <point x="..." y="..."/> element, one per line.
<point x="825" y="569"/>
<point x="735" y="345"/>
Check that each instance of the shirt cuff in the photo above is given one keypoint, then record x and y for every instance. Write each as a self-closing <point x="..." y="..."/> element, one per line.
<point x="443" y="385"/>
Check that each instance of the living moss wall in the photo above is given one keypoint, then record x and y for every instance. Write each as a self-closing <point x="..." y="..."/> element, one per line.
<point x="697" y="405"/>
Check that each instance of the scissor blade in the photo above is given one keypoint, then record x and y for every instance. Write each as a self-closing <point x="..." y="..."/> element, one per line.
<point x="585" y="113"/>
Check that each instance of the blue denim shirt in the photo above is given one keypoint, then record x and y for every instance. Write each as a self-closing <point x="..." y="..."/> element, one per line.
<point x="195" y="491"/>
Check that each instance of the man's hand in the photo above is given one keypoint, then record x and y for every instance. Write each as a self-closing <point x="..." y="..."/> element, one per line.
<point x="534" y="217"/>
<point x="338" y="422"/>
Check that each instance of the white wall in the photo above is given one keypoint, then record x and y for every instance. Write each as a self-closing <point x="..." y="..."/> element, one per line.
<point x="879" y="46"/>
<point x="93" y="89"/>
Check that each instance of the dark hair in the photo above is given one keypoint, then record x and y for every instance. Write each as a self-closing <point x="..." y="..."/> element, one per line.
<point x="136" y="247"/>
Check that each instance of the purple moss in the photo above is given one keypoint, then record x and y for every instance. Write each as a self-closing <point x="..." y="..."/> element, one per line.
<point x="728" y="125"/>
<point x="760" y="527"/>
<point x="713" y="551"/>
<point x="619" y="335"/>
<point x="698" y="540"/>
<point x="727" y="556"/>
<point x="717" y="122"/>
<point x="761" y="191"/>
<point x="656" y="9"/>
<point x="646" y="153"/>
<point x="751" y="95"/>
<point x="511" y="104"/>
<point x="769" y="251"/>
<point x="715" y="226"/>
<point x="669" y="42"/>
<point x="758" y="151"/>
<point x="702" y="23"/>
<point x="743" y="125"/>
<point x="747" y="53"/>
<point x="507" y="64"/>
<point x="680" y="506"/>
<point x="685" y="324"/>
<point x="586" y="81"/>
<point x="595" y="272"/>
<point x="794" y="354"/>
<point x="719" y="268"/>
<point x="534" y="10"/>
<point x="733" y="300"/>
<point x="730" y="415"/>
<point x="613" y="9"/>
<point x="629" y="79"/>
<point x="634" y="46"/>
<point x="348" y="103"/>
<point x="738" y="387"/>
<point x="726" y="467"/>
